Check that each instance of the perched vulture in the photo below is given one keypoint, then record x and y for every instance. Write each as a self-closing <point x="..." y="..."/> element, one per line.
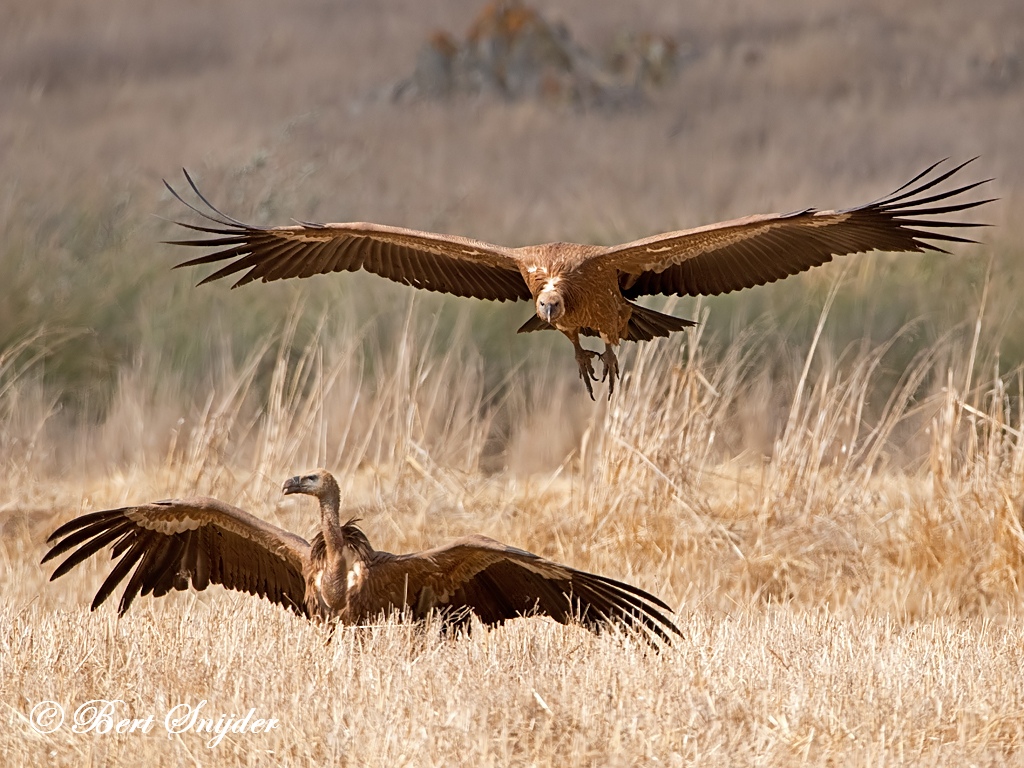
<point x="340" y="576"/>
<point x="589" y="289"/>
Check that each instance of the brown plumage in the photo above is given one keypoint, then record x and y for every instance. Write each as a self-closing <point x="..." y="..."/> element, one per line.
<point x="588" y="289"/>
<point x="203" y="541"/>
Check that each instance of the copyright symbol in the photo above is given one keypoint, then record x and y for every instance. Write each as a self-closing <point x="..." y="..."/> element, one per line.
<point x="46" y="716"/>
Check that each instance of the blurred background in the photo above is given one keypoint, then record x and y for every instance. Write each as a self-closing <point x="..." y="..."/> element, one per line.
<point x="580" y="121"/>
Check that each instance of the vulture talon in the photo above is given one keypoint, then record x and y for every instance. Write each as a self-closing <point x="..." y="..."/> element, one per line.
<point x="339" y="577"/>
<point x="611" y="369"/>
<point x="587" y="374"/>
<point x="588" y="385"/>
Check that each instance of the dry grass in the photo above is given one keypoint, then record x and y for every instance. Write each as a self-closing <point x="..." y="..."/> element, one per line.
<point x="825" y="478"/>
<point x="839" y="604"/>
<point x="773" y="687"/>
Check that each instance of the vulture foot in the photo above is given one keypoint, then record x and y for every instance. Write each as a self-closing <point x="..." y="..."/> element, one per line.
<point x="611" y="369"/>
<point x="583" y="358"/>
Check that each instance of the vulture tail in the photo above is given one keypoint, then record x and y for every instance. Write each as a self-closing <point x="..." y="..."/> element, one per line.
<point x="535" y="324"/>
<point x="644" y="325"/>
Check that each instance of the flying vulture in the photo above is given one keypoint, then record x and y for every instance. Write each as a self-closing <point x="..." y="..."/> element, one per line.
<point x="590" y="290"/>
<point x="340" y="576"/>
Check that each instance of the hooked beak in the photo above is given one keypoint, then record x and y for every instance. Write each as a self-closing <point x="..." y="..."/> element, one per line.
<point x="292" y="485"/>
<point x="547" y="311"/>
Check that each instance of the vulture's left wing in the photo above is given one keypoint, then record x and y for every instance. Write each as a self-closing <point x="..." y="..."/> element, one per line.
<point x="172" y="543"/>
<point x="761" y="249"/>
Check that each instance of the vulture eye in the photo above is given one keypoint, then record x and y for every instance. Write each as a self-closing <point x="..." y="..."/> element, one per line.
<point x="309" y="479"/>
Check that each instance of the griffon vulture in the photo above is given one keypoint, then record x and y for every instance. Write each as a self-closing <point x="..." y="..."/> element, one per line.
<point x="339" y="575"/>
<point x="589" y="289"/>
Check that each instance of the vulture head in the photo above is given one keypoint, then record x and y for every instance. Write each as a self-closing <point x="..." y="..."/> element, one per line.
<point x="319" y="483"/>
<point x="550" y="302"/>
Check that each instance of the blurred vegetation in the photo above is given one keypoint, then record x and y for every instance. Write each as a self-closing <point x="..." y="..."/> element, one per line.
<point x="98" y="273"/>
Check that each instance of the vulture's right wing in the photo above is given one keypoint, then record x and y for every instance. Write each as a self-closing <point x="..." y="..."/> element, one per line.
<point x="434" y="262"/>
<point x="498" y="582"/>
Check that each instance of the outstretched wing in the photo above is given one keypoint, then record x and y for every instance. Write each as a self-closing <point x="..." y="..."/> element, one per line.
<point x="434" y="262"/>
<point x="497" y="583"/>
<point x="762" y="249"/>
<point x="170" y="543"/>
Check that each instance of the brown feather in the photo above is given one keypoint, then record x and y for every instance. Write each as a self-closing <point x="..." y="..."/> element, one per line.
<point x="479" y="576"/>
<point x="644" y="324"/>
<point x="170" y="543"/>
<point x="435" y="262"/>
<point x="762" y="249"/>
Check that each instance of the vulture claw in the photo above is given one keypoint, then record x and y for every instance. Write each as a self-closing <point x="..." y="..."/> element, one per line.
<point x="583" y="358"/>
<point x="611" y="369"/>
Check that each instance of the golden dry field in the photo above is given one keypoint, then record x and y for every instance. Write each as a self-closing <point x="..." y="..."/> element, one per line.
<point x="826" y="477"/>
